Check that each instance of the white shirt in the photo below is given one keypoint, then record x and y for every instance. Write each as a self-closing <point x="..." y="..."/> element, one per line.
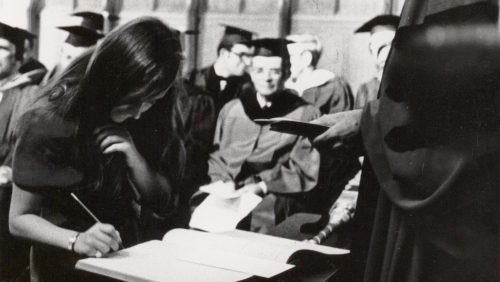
<point x="263" y="102"/>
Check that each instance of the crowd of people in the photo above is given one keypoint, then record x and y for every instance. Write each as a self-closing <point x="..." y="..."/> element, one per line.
<point x="116" y="125"/>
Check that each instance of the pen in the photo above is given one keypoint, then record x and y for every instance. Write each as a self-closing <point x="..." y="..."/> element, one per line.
<point x="89" y="212"/>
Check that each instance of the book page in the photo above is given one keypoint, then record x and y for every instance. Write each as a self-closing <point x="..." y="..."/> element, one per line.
<point x="247" y="243"/>
<point x="235" y="262"/>
<point x="156" y="261"/>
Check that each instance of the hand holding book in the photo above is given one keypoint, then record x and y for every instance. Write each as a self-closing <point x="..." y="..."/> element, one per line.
<point x="296" y="127"/>
<point x="340" y="126"/>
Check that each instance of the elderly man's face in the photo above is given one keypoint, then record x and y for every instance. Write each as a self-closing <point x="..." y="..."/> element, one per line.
<point x="266" y="74"/>
<point x="7" y="58"/>
<point x="298" y="60"/>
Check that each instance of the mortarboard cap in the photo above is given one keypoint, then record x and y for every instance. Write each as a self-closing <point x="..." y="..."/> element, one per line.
<point x="382" y="20"/>
<point x="234" y="35"/>
<point x="88" y="32"/>
<point x="271" y="47"/>
<point x="17" y="37"/>
<point x="26" y="34"/>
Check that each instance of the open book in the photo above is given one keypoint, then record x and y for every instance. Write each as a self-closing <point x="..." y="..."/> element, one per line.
<point x="189" y="255"/>
<point x="296" y="127"/>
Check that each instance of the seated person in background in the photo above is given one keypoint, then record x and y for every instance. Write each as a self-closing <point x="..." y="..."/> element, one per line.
<point x="14" y="87"/>
<point x="80" y="39"/>
<point x="223" y="79"/>
<point x="80" y="140"/>
<point x="330" y="94"/>
<point x="382" y="30"/>
<point x="253" y="156"/>
<point x="321" y="88"/>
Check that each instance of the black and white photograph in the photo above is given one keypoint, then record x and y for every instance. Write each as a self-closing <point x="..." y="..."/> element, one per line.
<point x="250" y="140"/>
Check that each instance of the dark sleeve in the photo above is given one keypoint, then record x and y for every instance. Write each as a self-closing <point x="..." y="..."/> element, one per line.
<point x="199" y="126"/>
<point x="341" y="98"/>
<point x="361" y="97"/>
<point x="299" y="172"/>
<point x="41" y="155"/>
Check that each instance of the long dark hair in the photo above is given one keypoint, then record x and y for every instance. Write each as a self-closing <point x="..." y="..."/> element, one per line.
<point x="138" y="60"/>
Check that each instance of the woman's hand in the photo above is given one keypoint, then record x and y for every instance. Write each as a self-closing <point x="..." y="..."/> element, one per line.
<point x="112" y="138"/>
<point x="342" y="125"/>
<point x="97" y="241"/>
<point x="5" y="175"/>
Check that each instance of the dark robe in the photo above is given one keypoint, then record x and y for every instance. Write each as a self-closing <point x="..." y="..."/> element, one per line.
<point x="209" y="81"/>
<point x="198" y="118"/>
<point x="433" y="144"/>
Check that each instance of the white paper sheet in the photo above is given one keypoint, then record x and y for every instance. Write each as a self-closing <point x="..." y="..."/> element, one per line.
<point x="221" y="189"/>
<point x="218" y="214"/>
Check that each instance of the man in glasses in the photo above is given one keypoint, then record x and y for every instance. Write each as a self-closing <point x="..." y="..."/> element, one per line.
<point x="223" y="79"/>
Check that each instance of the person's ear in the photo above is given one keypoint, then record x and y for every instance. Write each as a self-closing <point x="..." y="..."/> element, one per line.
<point x="306" y="58"/>
<point x="370" y="48"/>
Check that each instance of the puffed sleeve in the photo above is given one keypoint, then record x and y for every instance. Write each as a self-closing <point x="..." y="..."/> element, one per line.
<point x="341" y="97"/>
<point x="43" y="152"/>
<point x="361" y="97"/>
<point x="299" y="171"/>
<point x="217" y="166"/>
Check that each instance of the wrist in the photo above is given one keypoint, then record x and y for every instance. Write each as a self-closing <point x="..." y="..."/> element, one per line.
<point x="72" y="241"/>
<point x="134" y="159"/>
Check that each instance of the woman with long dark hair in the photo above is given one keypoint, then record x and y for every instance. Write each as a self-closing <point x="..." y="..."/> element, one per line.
<point x="80" y="139"/>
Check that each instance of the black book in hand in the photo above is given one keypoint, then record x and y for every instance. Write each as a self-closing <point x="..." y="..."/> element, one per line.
<point x="295" y="127"/>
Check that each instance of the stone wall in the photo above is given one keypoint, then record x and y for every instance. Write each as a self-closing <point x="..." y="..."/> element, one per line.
<point x="333" y="21"/>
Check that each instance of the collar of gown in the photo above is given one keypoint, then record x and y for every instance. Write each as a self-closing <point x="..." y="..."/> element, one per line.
<point x="282" y="103"/>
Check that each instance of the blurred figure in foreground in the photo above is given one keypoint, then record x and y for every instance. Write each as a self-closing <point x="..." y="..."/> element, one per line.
<point x="432" y="140"/>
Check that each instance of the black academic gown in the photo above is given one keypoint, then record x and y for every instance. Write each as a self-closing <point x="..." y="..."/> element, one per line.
<point x="434" y="153"/>
<point x="199" y="117"/>
<point x="210" y="82"/>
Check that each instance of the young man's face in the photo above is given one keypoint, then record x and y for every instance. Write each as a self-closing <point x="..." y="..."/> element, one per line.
<point x="7" y="58"/>
<point x="238" y="59"/>
<point x="266" y="74"/>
